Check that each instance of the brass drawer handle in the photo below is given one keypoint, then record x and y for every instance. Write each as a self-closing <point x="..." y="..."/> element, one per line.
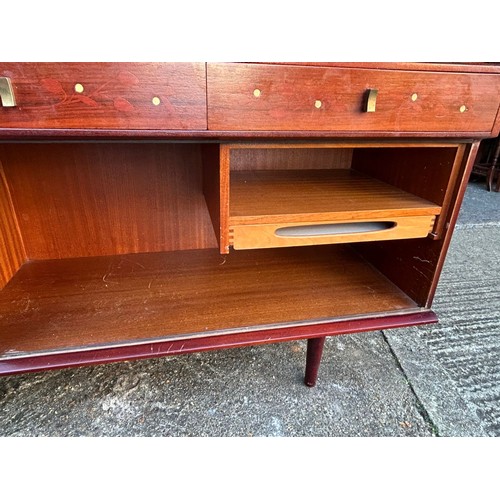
<point x="371" y="100"/>
<point x="312" y="230"/>
<point x="6" y="93"/>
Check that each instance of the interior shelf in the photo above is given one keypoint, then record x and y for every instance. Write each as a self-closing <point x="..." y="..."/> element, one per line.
<point x="279" y="196"/>
<point x="85" y="303"/>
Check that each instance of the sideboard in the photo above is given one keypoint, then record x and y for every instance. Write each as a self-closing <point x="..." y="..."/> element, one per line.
<point x="151" y="209"/>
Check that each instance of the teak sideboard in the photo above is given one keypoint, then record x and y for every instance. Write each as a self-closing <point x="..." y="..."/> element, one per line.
<point x="151" y="209"/>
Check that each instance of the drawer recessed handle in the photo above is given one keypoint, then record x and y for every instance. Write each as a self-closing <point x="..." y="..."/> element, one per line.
<point x="371" y="100"/>
<point x="312" y="230"/>
<point x="7" y="93"/>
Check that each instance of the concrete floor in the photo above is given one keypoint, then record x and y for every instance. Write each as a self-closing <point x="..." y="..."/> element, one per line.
<point x="436" y="380"/>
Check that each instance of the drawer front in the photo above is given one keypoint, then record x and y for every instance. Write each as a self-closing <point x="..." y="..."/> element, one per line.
<point x="245" y="237"/>
<point x="134" y="96"/>
<point x="290" y="97"/>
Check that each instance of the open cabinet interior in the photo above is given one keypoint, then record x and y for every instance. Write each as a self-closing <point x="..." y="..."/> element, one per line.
<point x="279" y="195"/>
<point x="116" y="243"/>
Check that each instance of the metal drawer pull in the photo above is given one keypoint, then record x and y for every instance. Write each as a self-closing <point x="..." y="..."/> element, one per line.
<point x="332" y="229"/>
<point x="6" y="93"/>
<point x="371" y="101"/>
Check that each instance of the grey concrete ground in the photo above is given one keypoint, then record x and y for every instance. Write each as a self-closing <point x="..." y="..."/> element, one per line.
<point x="454" y="366"/>
<point x="437" y="380"/>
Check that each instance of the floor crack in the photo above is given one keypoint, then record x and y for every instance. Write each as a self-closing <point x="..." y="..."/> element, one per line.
<point x="419" y="405"/>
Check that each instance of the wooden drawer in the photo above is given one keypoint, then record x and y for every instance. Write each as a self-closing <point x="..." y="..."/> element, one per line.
<point x="291" y="208"/>
<point x="134" y="96"/>
<point x="246" y="237"/>
<point x="271" y="97"/>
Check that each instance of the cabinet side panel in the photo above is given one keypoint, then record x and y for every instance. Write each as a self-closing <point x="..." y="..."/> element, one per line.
<point x="415" y="265"/>
<point x="12" y="254"/>
<point x="82" y="200"/>
<point x="429" y="173"/>
<point x="210" y="154"/>
<point x="424" y="172"/>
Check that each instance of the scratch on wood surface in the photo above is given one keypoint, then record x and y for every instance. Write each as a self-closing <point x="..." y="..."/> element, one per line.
<point x="123" y="259"/>
<point x="419" y="271"/>
<point x="422" y="260"/>
<point x="107" y="281"/>
<point x="13" y="351"/>
<point x="26" y="308"/>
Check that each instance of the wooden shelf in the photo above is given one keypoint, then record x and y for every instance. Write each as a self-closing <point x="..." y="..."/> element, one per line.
<point x="86" y="303"/>
<point x="280" y="196"/>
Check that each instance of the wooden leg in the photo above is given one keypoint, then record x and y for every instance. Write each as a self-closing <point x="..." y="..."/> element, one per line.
<point x="314" y="352"/>
<point x="489" y="177"/>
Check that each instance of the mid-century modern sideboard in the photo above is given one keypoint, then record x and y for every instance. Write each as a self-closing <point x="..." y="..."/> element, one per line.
<point x="151" y="209"/>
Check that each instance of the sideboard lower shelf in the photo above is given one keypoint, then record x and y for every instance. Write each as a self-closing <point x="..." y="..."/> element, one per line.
<point x="79" y="304"/>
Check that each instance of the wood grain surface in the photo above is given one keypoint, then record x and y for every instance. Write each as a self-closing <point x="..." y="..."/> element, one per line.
<point x="289" y="158"/>
<point x="424" y="172"/>
<point x="288" y="98"/>
<point x="415" y="265"/>
<point x="267" y="235"/>
<point x="77" y="303"/>
<point x="12" y="253"/>
<point x="16" y="364"/>
<point x="267" y="197"/>
<point x="106" y="96"/>
<point x="89" y="199"/>
<point x="108" y="250"/>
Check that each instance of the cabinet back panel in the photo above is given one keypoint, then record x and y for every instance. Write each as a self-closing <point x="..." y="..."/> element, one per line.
<point x="290" y="158"/>
<point x="78" y="200"/>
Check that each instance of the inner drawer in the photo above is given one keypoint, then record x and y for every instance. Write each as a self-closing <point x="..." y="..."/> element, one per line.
<point x="244" y="237"/>
<point x="278" y="195"/>
<point x="295" y="207"/>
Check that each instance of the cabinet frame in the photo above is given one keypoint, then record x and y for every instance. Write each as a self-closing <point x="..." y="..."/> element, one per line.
<point x="411" y="267"/>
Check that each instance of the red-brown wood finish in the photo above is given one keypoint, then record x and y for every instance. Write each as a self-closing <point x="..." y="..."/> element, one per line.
<point x="152" y="350"/>
<point x="424" y="172"/>
<point x="288" y="158"/>
<point x="90" y="199"/>
<point x="325" y="98"/>
<point x="313" y="359"/>
<point x="211" y="186"/>
<point x="70" y="135"/>
<point x="109" y="183"/>
<point x="415" y="265"/>
<point x="12" y="252"/>
<point x="56" y="305"/>
<point x="106" y="96"/>
<point x="460" y="67"/>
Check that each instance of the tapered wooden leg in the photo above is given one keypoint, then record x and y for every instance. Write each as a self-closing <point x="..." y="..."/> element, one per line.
<point x="314" y="352"/>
